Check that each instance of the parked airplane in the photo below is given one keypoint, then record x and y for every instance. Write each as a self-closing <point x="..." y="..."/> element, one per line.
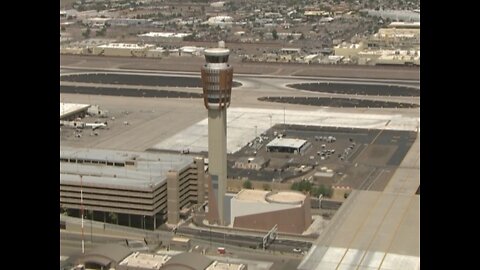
<point x="96" y="125"/>
<point x="81" y="125"/>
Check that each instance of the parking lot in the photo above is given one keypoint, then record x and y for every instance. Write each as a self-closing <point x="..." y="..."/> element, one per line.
<point x="359" y="158"/>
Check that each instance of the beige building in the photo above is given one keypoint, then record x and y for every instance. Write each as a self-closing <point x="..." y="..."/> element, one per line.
<point x="261" y="210"/>
<point x="123" y="49"/>
<point x="156" y="53"/>
<point x="348" y="50"/>
<point x="389" y="57"/>
<point x="252" y="163"/>
<point x="134" y="189"/>
<point x="395" y="38"/>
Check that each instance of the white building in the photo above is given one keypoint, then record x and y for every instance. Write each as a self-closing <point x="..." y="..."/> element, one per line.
<point x="123" y="49"/>
<point x="220" y="21"/>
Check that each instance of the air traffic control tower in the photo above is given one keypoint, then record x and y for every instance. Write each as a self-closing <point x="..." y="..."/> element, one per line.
<point x="217" y="88"/>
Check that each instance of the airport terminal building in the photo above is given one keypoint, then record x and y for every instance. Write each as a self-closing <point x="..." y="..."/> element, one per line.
<point x="137" y="189"/>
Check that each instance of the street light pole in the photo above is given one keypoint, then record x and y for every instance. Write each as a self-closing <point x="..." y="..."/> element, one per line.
<point x="81" y="213"/>
<point x="91" y="226"/>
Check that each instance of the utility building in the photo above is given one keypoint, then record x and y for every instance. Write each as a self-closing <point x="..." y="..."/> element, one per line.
<point x="287" y="145"/>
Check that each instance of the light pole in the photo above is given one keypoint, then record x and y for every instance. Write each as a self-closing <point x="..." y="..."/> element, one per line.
<point x="81" y="213"/>
<point x="91" y="226"/>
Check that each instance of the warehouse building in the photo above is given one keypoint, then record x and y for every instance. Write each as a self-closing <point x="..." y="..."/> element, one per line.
<point x="123" y="49"/>
<point x="251" y="163"/>
<point x="134" y="189"/>
<point x="287" y="145"/>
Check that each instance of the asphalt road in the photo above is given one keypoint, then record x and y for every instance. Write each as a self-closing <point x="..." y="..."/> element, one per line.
<point x="253" y="242"/>
<point x="190" y="64"/>
<point x="127" y="92"/>
<point x="358" y="89"/>
<point x="252" y="86"/>
<point x="137" y="79"/>
<point x="339" y="102"/>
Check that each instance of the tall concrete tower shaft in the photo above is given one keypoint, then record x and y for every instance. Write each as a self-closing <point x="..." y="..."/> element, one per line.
<point x="217" y="77"/>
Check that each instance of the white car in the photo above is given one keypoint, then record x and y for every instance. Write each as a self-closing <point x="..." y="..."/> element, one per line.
<point x="297" y="250"/>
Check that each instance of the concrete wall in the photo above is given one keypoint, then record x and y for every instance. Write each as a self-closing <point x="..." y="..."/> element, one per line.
<point x="217" y="156"/>
<point x="235" y="185"/>
<point x="212" y="215"/>
<point x="294" y="220"/>
<point x="199" y="163"/>
<point x="173" y="204"/>
<point x="246" y="208"/>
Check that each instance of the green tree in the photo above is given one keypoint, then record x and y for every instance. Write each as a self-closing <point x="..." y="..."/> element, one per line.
<point x="247" y="184"/>
<point x="63" y="210"/>
<point x="86" y="34"/>
<point x="326" y="191"/>
<point x="101" y="32"/>
<point x="113" y="217"/>
<point x="274" y="34"/>
<point x="303" y="185"/>
<point x="329" y="191"/>
<point x="295" y="186"/>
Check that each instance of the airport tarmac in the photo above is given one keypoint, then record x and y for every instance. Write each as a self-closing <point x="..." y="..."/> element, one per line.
<point x="178" y="123"/>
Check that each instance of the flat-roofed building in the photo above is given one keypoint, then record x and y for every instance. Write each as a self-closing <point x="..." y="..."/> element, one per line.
<point x="287" y="145"/>
<point x="252" y="163"/>
<point x="69" y="111"/>
<point x="143" y="261"/>
<point x="114" y="256"/>
<point x="404" y="25"/>
<point x="348" y="49"/>
<point x="134" y="189"/>
<point x="186" y="260"/>
<point x="216" y="265"/>
<point x="180" y="243"/>
<point x="123" y="49"/>
<point x="261" y="210"/>
<point x="106" y="256"/>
